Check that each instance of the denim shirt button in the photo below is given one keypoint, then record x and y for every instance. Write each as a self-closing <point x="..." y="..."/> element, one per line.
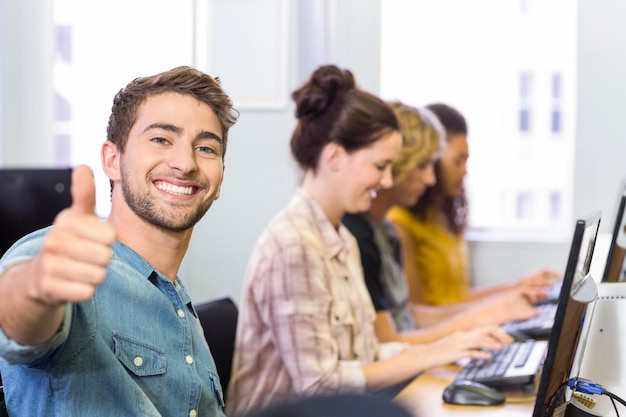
<point x="138" y="361"/>
<point x="189" y="359"/>
<point x="180" y="313"/>
<point x="193" y="413"/>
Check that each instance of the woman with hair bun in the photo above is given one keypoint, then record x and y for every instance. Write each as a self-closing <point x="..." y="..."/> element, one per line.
<point x="305" y="316"/>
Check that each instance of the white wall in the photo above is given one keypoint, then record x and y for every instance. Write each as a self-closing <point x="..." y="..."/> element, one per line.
<point x="260" y="175"/>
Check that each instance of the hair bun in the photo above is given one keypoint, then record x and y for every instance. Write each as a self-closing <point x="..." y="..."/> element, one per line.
<point x="325" y="85"/>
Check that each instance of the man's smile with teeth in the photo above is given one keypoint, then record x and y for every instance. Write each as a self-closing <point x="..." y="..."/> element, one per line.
<point x="174" y="189"/>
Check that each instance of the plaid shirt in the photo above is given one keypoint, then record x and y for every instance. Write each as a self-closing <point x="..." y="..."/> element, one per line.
<point x="306" y="319"/>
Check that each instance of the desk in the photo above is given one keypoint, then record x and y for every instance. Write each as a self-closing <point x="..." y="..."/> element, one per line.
<point x="422" y="398"/>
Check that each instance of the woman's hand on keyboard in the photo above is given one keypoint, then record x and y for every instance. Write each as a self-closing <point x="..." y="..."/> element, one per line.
<point x="475" y="343"/>
<point x="542" y="278"/>
<point x="512" y="305"/>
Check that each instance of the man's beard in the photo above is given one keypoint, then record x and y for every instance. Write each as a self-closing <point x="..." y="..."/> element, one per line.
<point x="143" y="205"/>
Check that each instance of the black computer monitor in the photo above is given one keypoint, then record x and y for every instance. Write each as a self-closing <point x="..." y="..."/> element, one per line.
<point x="614" y="267"/>
<point x="31" y="199"/>
<point x="552" y="392"/>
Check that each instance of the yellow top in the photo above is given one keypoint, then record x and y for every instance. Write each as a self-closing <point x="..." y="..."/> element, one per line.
<point x="441" y="259"/>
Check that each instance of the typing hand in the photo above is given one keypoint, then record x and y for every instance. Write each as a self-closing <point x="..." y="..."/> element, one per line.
<point x="542" y="278"/>
<point x="76" y="251"/>
<point x="475" y="343"/>
<point x="511" y="305"/>
<point x="479" y="341"/>
<point x="534" y="295"/>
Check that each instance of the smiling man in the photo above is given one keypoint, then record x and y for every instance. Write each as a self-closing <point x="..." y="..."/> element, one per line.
<point x="94" y="320"/>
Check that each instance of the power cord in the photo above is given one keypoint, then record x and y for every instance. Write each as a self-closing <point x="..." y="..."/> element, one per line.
<point x="589" y="387"/>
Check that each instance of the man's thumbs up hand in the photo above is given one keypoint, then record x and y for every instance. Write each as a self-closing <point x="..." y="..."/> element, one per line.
<point x="76" y="251"/>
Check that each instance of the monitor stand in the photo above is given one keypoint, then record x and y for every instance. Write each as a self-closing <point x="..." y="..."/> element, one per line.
<point x="576" y="409"/>
<point x="603" y="361"/>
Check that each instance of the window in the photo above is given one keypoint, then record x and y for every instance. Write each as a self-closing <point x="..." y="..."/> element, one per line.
<point x="555" y="204"/>
<point x="507" y="74"/>
<point x="525" y="98"/>
<point x="556" y="103"/>
<point x="94" y="60"/>
<point x="524" y="205"/>
<point x="62" y="104"/>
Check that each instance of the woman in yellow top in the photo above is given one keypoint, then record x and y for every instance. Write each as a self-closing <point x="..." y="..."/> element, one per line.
<point x="436" y="260"/>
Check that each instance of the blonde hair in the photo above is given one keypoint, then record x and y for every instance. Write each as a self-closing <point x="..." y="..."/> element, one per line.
<point x="422" y="134"/>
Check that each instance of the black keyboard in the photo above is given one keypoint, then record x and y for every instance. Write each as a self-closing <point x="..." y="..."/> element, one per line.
<point x="496" y="370"/>
<point x="539" y="326"/>
<point x="552" y="293"/>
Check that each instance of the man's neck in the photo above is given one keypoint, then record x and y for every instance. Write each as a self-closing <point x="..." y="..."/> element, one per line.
<point x="162" y="249"/>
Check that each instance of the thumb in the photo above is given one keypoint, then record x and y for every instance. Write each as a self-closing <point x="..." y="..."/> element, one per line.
<point x="83" y="190"/>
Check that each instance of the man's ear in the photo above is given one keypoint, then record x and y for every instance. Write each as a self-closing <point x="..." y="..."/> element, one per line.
<point x="110" y="160"/>
<point x="333" y="155"/>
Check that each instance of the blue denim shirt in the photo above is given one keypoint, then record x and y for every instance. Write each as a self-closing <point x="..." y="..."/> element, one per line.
<point x="135" y="349"/>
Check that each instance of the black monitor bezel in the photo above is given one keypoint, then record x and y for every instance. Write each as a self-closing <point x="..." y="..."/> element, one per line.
<point x="615" y="258"/>
<point x="30" y="200"/>
<point x="565" y="305"/>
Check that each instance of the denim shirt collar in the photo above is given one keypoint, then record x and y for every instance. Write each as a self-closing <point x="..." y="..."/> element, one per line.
<point x="132" y="258"/>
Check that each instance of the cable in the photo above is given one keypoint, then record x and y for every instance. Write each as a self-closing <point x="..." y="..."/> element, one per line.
<point x="588" y="387"/>
<point x="614" y="406"/>
<point x="554" y="400"/>
<point x="614" y="397"/>
<point x="585" y="386"/>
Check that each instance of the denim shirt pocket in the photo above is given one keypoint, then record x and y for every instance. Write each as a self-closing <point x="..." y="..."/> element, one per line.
<point x="217" y="388"/>
<point x="142" y="361"/>
<point x="139" y="358"/>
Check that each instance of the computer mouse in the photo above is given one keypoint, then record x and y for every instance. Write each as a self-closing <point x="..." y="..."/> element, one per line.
<point x="463" y="392"/>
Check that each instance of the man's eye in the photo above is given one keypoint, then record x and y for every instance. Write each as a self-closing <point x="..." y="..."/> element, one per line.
<point x="205" y="149"/>
<point x="159" y="140"/>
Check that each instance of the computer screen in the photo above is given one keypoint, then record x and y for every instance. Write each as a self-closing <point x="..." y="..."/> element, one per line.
<point x="31" y="199"/>
<point x="614" y="267"/>
<point x="552" y="392"/>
